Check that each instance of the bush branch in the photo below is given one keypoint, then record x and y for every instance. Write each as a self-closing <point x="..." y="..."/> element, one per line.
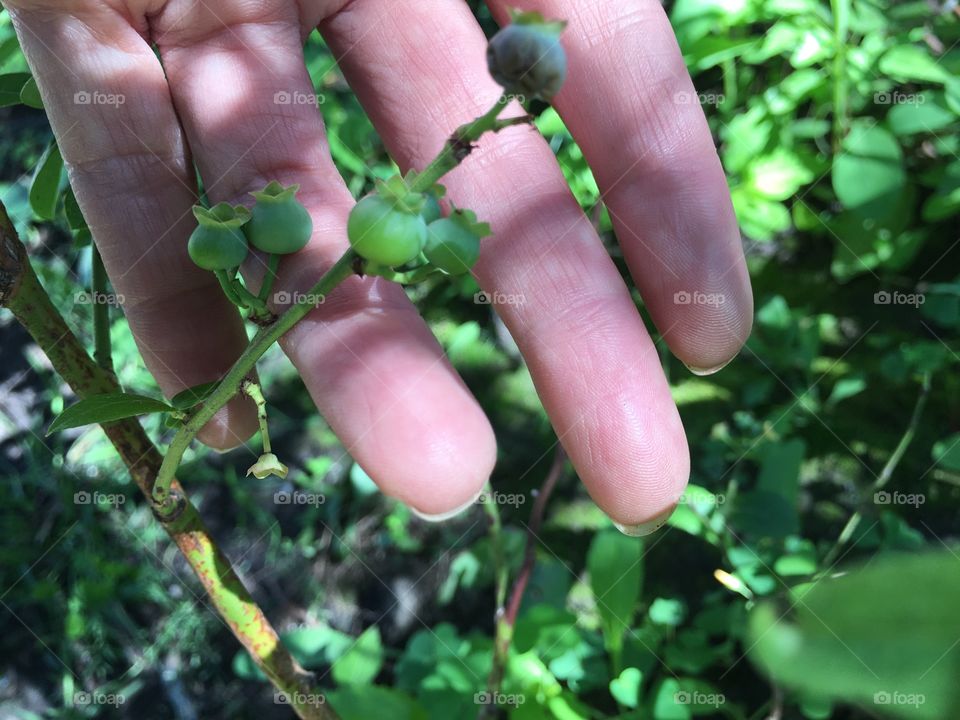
<point x="22" y="293"/>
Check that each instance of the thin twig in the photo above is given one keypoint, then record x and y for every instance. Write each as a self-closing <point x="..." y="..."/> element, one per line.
<point x="507" y="616"/>
<point x="888" y="469"/>
<point x="101" y="311"/>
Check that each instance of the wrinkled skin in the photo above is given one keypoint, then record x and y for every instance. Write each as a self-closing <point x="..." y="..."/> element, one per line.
<point x="368" y="360"/>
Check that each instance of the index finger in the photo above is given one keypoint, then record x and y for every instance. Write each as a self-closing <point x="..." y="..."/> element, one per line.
<point x="109" y="106"/>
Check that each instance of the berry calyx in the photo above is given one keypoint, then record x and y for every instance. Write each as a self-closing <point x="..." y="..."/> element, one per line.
<point x="386" y="227"/>
<point x="218" y="242"/>
<point x="279" y="223"/>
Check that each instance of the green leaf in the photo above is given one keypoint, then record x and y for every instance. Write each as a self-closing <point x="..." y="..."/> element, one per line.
<point x="912" y="63"/>
<point x="760" y="219"/>
<point x="30" y="94"/>
<point x="796" y="564"/>
<point x="106" y="408"/>
<point x="881" y="635"/>
<point x="626" y="688"/>
<point x="864" y="244"/>
<point x="779" y="175"/>
<point x="946" y="452"/>
<point x="615" y="564"/>
<point x="927" y="113"/>
<point x="667" y="611"/>
<point x="186" y="399"/>
<point x="668" y="702"/>
<point x="780" y="468"/>
<point x="361" y="663"/>
<point x="762" y="513"/>
<point x="868" y="176"/>
<point x="695" y="390"/>
<point x="72" y="210"/>
<point x="45" y="188"/>
<point x="312" y="646"/>
<point x="946" y="199"/>
<point x="363" y="703"/>
<point x="10" y="86"/>
<point x="362" y="483"/>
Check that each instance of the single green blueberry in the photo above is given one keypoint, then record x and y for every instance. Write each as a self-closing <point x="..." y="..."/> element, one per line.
<point x="218" y="242"/>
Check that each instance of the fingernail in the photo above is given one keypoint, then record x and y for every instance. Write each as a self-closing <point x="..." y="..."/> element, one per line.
<point x="702" y="372"/>
<point x="646" y="528"/>
<point x="440" y="517"/>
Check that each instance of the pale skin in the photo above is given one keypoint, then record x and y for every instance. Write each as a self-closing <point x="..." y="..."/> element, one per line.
<point x="369" y="362"/>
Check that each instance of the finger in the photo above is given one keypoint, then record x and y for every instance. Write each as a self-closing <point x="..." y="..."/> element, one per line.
<point x="109" y="106"/>
<point x="656" y="165"/>
<point x="592" y="361"/>
<point x="370" y="363"/>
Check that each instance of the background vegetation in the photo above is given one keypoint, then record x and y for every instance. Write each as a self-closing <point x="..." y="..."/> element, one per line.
<point x="832" y="442"/>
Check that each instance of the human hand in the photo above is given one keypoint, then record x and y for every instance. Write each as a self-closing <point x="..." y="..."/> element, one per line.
<point x="367" y="358"/>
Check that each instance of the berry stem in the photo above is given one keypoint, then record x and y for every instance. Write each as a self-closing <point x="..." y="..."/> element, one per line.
<point x="460" y="144"/>
<point x="273" y="264"/>
<point x="256" y="394"/>
<point x="227" y="284"/>
<point x="247" y="298"/>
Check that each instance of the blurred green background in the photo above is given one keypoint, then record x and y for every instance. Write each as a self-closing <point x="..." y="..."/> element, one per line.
<point x="838" y="124"/>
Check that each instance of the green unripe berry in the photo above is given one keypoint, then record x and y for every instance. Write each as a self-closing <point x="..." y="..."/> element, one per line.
<point x="384" y="232"/>
<point x="526" y="57"/>
<point x="218" y="242"/>
<point x="431" y="209"/>
<point x="453" y="243"/>
<point x="279" y="223"/>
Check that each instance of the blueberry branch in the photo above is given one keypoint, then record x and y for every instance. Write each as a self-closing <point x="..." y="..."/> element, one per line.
<point x="231" y="382"/>
<point x="457" y="147"/>
<point x="461" y="143"/>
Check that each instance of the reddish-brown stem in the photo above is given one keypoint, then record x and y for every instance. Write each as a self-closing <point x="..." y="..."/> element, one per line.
<point x="507" y="616"/>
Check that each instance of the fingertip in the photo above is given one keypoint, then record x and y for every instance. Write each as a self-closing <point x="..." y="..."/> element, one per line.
<point x="707" y="338"/>
<point x="643" y="478"/>
<point x="450" y="472"/>
<point x="233" y="425"/>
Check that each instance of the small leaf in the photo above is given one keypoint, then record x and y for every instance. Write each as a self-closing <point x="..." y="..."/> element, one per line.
<point x="361" y="703"/>
<point x="190" y="397"/>
<point x="45" y="188"/>
<point x="868" y="176"/>
<point x="615" y="563"/>
<point x="361" y="663"/>
<point x="30" y="94"/>
<point x="626" y="688"/>
<point x="670" y="702"/>
<point x="106" y="408"/>
<point x="10" y="86"/>
<point x="72" y="210"/>
<point x="913" y="63"/>
<point x="946" y="452"/>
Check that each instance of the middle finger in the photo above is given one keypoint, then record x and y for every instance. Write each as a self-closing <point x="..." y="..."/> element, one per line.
<point x="419" y="70"/>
